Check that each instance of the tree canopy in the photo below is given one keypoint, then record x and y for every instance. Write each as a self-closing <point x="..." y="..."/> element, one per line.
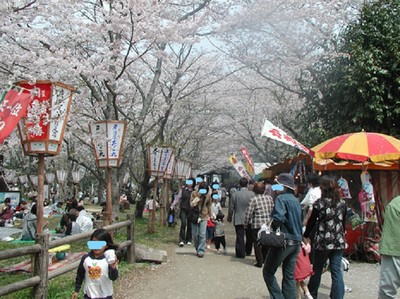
<point x="357" y="87"/>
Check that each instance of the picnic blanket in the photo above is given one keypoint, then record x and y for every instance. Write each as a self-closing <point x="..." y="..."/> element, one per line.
<point x="8" y="231"/>
<point x="25" y="266"/>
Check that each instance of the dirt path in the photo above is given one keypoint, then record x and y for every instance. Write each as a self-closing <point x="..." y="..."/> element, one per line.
<point x="225" y="277"/>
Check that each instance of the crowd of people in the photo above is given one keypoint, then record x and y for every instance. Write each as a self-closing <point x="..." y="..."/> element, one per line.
<point x="74" y="218"/>
<point x="314" y="227"/>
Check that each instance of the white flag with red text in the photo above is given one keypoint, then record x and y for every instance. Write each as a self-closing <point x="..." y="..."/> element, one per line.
<point x="273" y="132"/>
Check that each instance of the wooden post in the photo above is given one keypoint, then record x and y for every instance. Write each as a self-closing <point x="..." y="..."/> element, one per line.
<point x="130" y="235"/>
<point x="164" y="202"/>
<point x="152" y="213"/>
<point x="109" y="197"/>
<point x="40" y="200"/>
<point x="40" y="266"/>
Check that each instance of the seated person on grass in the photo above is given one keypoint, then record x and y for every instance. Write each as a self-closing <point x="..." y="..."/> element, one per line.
<point x="7" y="213"/>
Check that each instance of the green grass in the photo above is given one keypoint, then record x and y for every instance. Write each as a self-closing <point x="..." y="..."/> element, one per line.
<point x="63" y="286"/>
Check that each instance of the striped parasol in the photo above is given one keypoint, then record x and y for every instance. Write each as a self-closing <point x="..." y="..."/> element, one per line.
<point x="362" y="147"/>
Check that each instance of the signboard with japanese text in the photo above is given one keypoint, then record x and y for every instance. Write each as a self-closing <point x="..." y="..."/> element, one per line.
<point x="42" y="129"/>
<point x="108" y="139"/>
<point x="273" y="132"/>
<point x="161" y="161"/>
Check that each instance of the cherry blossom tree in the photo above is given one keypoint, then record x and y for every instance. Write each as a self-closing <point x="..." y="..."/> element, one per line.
<point x="271" y="45"/>
<point x="121" y="57"/>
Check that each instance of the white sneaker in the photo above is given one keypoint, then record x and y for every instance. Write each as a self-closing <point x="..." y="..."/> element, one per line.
<point x="181" y="244"/>
<point x="189" y="243"/>
<point x="208" y="247"/>
<point x="218" y="251"/>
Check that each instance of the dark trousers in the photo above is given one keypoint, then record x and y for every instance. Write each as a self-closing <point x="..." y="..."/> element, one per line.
<point x="185" y="233"/>
<point x="335" y="261"/>
<point x="243" y="248"/>
<point x="219" y="241"/>
<point x="259" y="251"/>
<point x="275" y="257"/>
<point x="223" y="202"/>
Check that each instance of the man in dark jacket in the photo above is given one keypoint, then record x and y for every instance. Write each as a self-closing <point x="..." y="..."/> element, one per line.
<point x="238" y="205"/>
<point x="183" y="199"/>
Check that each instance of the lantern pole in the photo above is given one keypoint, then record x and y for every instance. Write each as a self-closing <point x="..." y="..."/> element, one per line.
<point x="40" y="199"/>
<point x="61" y="174"/>
<point x="109" y="197"/>
<point x="152" y="213"/>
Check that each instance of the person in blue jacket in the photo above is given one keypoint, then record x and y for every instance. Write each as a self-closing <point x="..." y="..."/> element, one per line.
<point x="288" y="217"/>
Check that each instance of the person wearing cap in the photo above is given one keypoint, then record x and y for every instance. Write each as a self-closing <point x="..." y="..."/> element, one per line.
<point x="238" y="205"/>
<point x="183" y="199"/>
<point x="328" y="217"/>
<point x="286" y="215"/>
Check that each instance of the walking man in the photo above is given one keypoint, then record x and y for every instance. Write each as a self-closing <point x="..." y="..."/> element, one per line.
<point x="238" y="204"/>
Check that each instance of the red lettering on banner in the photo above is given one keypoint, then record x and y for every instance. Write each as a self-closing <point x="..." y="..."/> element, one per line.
<point x="43" y="94"/>
<point x="12" y="109"/>
<point x="276" y="133"/>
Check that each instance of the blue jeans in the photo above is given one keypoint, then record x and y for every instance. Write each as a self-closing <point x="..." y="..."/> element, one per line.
<point x="335" y="260"/>
<point x="275" y="257"/>
<point x="199" y="236"/>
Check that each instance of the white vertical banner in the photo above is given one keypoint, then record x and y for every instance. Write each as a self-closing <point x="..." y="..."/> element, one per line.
<point x="183" y="169"/>
<point x="108" y="139"/>
<point x="59" y="112"/>
<point x="160" y="161"/>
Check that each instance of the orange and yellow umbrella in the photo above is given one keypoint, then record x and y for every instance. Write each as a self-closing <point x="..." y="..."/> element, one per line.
<point x="362" y="147"/>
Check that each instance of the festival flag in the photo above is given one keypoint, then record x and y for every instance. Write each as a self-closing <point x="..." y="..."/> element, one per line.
<point x="13" y="107"/>
<point x="270" y="131"/>
<point x="249" y="164"/>
<point x="238" y="165"/>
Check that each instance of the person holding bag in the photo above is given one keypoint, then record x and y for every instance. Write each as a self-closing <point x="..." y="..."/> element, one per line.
<point x="286" y="215"/>
<point x="329" y="218"/>
<point x="200" y="202"/>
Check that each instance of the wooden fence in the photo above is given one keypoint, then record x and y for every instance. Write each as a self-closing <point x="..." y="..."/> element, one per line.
<point x="40" y="258"/>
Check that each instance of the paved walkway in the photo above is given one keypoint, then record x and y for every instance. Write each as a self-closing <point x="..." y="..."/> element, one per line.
<point x="226" y="277"/>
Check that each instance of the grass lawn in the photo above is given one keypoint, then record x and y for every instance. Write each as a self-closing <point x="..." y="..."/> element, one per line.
<point x="63" y="286"/>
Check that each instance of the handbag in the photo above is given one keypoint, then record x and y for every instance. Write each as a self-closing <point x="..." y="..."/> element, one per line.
<point x="194" y="214"/>
<point x="266" y="237"/>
